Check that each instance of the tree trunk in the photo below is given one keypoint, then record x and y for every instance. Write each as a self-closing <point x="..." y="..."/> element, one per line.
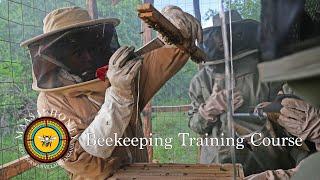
<point x="196" y="9"/>
<point x="92" y="8"/>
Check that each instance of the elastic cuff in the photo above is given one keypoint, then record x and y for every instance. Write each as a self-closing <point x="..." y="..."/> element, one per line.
<point x="120" y="94"/>
<point x="94" y="150"/>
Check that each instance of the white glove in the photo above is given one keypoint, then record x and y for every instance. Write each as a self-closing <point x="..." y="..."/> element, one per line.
<point x="279" y="174"/>
<point x="115" y="114"/>
<point x="301" y="119"/>
<point x="188" y="25"/>
<point x="122" y="71"/>
<point x="216" y="104"/>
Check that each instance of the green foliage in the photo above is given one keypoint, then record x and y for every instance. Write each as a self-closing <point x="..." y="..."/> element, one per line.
<point x="249" y="9"/>
<point x="211" y="12"/>
<point x="175" y="91"/>
<point x="130" y="27"/>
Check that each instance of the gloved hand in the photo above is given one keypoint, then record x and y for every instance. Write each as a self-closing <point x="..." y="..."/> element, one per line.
<point x="279" y="174"/>
<point x="300" y="119"/>
<point x="216" y="104"/>
<point x="123" y="68"/>
<point x="188" y="25"/>
<point x="118" y="107"/>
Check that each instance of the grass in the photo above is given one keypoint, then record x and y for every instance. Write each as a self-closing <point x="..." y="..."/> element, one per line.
<point x="168" y="125"/>
<point x="10" y="150"/>
<point x="165" y="125"/>
<point x="43" y="174"/>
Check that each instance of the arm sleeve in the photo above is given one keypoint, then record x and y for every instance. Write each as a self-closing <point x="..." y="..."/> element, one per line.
<point x="112" y="119"/>
<point x="158" y="67"/>
<point x="196" y="122"/>
<point x="80" y="163"/>
<point x="272" y="175"/>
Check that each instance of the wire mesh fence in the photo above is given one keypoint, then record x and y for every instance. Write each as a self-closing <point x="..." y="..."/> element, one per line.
<point x="175" y="93"/>
<point x="21" y="20"/>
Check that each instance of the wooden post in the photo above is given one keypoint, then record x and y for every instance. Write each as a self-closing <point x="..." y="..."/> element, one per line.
<point x="92" y="8"/>
<point x="147" y="125"/>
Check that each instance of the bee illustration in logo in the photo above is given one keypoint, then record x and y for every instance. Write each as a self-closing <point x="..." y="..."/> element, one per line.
<point x="46" y="140"/>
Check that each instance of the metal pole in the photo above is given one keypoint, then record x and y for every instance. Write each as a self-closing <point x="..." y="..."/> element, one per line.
<point x="228" y="83"/>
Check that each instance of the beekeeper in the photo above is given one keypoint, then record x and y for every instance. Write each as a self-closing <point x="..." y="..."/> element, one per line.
<point x="65" y="59"/>
<point x="302" y="120"/>
<point x="209" y="103"/>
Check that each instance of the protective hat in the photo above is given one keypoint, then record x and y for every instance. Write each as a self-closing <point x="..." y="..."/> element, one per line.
<point x="235" y="16"/>
<point x="244" y="34"/>
<point x="65" y="19"/>
<point x="69" y="32"/>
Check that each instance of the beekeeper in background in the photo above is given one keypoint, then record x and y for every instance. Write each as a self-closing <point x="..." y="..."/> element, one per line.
<point x="302" y="120"/>
<point x="209" y="102"/>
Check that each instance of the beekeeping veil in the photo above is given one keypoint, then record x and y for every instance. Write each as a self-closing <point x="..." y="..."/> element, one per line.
<point x="68" y="31"/>
<point x="244" y="35"/>
<point x="290" y="43"/>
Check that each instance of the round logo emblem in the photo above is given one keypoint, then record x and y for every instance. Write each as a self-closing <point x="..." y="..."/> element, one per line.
<point x="46" y="139"/>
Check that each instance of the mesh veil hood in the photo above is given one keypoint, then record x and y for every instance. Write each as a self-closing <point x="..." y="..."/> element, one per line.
<point x="49" y="68"/>
<point x="244" y="38"/>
